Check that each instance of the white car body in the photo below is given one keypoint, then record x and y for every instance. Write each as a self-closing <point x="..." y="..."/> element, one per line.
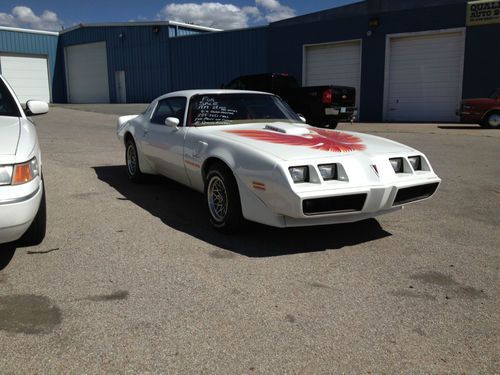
<point x="259" y="154"/>
<point x="19" y="203"/>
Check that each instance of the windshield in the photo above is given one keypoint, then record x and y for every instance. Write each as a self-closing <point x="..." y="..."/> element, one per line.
<point x="228" y="109"/>
<point x="496" y="94"/>
<point x="8" y="106"/>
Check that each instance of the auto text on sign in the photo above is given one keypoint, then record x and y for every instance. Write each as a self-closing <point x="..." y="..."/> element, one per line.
<point x="483" y="12"/>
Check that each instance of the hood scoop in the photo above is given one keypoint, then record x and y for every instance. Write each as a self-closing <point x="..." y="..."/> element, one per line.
<point x="288" y="129"/>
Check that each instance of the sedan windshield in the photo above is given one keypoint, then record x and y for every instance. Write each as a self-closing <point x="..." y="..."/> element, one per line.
<point x="8" y="105"/>
<point x="228" y="109"/>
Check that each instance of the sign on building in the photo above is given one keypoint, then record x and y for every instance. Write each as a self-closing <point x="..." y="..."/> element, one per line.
<point x="483" y="12"/>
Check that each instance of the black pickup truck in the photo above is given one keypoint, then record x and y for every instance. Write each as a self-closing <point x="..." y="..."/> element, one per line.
<point x="322" y="106"/>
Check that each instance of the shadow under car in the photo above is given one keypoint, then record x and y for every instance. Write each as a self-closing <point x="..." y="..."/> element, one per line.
<point x="183" y="209"/>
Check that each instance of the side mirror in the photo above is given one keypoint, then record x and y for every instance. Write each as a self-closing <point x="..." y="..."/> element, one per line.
<point x="36" y="107"/>
<point x="302" y="118"/>
<point x="173" y="122"/>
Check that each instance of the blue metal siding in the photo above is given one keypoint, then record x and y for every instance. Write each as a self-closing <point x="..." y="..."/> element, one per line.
<point x="482" y="61"/>
<point x="285" y="47"/>
<point x="139" y="51"/>
<point x="32" y="44"/>
<point x="208" y="60"/>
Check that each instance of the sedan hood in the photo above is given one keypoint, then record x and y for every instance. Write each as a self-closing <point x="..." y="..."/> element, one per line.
<point x="289" y="141"/>
<point x="9" y="135"/>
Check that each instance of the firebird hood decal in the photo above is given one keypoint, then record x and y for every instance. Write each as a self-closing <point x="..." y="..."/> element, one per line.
<point x="317" y="139"/>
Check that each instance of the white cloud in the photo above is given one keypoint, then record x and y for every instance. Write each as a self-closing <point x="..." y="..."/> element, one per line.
<point x="226" y="16"/>
<point x="274" y="10"/>
<point x="22" y="16"/>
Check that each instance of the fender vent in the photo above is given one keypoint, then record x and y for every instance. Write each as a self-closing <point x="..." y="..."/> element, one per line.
<point x="330" y="205"/>
<point x="414" y="193"/>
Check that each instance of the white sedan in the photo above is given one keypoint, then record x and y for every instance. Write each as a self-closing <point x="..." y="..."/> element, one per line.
<point x="255" y="159"/>
<point x="22" y="198"/>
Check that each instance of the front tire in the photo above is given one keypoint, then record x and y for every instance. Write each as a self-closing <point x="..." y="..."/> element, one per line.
<point x="132" y="161"/>
<point x="223" y="199"/>
<point x="492" y="120"/>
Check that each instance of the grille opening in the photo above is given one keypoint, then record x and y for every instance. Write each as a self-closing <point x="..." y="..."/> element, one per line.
<point x="414" y="193"/>
<point x="344" y="203"/>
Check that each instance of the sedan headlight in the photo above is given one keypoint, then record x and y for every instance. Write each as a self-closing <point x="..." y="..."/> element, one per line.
<point x="328" y="171"/>
<point x="299" y="174"/>
<point x="6" y="174"/>
<point x="18" y="174"/>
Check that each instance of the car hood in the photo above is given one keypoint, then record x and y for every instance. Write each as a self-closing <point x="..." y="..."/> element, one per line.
<point x="9" y="135"/>
<point x="289" y="141"/>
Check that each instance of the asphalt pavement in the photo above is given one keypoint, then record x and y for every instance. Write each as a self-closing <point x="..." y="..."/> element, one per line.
<point x="132" y="279"/>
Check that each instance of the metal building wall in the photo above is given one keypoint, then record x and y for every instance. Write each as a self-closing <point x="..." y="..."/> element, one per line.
<point x="286" y="40"/>
<point x="482" y="61"/>
<point x="208" y="60"/>
<point x="20" y="42"/>
<point x="139" y="51"/>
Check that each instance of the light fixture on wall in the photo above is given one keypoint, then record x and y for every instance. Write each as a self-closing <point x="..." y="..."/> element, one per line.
<point x="121" y="35"/>
<point x="156" y="29"/>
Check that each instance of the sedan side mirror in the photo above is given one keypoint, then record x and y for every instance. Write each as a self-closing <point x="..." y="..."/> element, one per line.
<point x="173" y="122"/>
<point x="36" y="107"/>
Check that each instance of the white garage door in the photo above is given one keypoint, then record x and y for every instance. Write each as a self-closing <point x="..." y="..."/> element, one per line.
<point x="28" y="76"/>
<point x="424" y="77"/>
<point x="87" y="73"/>
<point x="333" y="64"/>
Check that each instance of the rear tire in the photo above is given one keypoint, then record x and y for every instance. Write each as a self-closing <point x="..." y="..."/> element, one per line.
<point x="492" y="120"/>
<point x="36" y="232"/>
<point x="132" y="161"/>
<point x="223" y="199"/>
<point x="332" y="125"/>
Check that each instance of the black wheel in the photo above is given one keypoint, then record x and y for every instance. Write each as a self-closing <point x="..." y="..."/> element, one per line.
<point x="36" y="232"/>
<point x="6" y="254"/>
<point x="132" y="161"/>
<point x="223" y="199"/>
<point x="332" y="125"/>
<point x="492" y="120"/>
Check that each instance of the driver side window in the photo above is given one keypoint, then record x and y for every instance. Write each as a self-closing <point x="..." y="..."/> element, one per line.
<point x="170" y="107"/>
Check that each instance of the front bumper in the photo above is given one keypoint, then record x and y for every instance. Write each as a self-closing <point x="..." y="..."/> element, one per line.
<point x="353" y="205"/>
<point x="288" y="208"/>
<point x="18" y="207"/>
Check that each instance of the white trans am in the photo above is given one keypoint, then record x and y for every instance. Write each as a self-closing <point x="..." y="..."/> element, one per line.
<point x="254" y="158"/>
<point x="22" y="197"/>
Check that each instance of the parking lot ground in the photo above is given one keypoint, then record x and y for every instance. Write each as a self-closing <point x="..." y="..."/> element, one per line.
<point x="132" y="279"/>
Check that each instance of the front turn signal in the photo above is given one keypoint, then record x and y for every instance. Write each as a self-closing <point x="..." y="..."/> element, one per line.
<point x="25" y="172"/>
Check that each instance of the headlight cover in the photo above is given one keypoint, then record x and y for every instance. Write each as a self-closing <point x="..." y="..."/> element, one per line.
<point x="397" y="164"/>
<point x="18" y="174"/>
<point x="328" y="171"/>
<point x="299" y="174"/>
<point x="415" y="162"/>
<point x="6" y="174"/>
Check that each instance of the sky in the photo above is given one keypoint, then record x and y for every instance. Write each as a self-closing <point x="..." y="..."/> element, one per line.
<point x="223" y="14"/>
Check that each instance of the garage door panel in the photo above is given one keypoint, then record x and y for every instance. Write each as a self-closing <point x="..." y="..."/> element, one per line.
<point x="87" y="73"/>
<point x="424" y="77"/>
<point x="28" y="76"/>
<point x="333" y="64"/>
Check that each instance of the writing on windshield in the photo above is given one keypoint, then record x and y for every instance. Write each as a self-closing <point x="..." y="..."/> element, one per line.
<point x="226" y="109"/>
